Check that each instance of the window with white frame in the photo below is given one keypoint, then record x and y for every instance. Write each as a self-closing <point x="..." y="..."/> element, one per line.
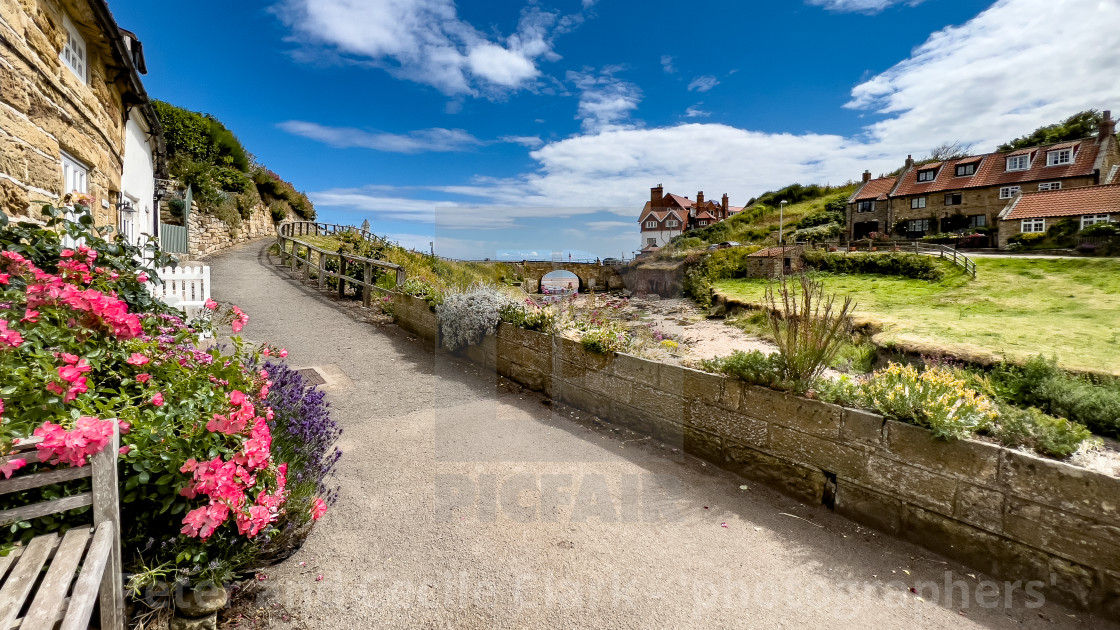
<point x="917" y="225"/>
<point x="1059" y="158"/>
<point x="1008" y="192"/>
<point x="75" y="175"/>
<point x="651" y="224"/>
<point x="966" y="169"/>
<point x="866" y="206"/>
<point x="1093" y="219"/>
<point x="672" y="223"/>
<point x="701" y="223"/>
<point x="1050" y="186"/>
<point x="926" y="175"/>
<point x="1018" y="162"/>
<point x="1032" y="226"/>
<point x="74" y="53"/>
<point x="918" y="202"/>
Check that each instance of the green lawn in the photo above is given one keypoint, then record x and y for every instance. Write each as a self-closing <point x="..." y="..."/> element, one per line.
<point x="1016" y="308"/>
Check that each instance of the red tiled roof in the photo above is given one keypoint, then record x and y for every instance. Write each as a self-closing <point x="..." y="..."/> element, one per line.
<point x="1070" y="202"/>
<point x="774" y="251"/>
<point x="684" y="202"/>
<point x="659" y="215"/>
<point x="734" y="209"/>
<point x="875" y="189"/>
<point x="706" y="215"/>
<point x="992" y="170"/>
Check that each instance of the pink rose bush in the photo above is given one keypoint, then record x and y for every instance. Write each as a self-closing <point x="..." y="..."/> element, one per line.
<point x="83" y="344"/>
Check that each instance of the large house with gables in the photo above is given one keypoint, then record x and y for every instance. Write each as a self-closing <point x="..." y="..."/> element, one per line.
<point x="964" y="194"/>
<point x="667" y="215"/>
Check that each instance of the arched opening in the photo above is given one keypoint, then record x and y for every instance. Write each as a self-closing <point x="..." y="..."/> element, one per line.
<point x="560" y="281"/>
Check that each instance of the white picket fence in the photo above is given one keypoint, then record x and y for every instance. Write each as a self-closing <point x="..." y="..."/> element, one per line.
<point x="185" y="288"/>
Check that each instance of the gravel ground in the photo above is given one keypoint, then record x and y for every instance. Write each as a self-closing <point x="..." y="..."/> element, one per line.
<point x="468" y="503"/>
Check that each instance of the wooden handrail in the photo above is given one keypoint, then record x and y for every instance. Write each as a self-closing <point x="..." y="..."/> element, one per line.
<point x="304" y="263"/>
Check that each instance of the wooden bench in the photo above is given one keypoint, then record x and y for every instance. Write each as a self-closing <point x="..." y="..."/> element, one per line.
<point x="83" y="566"/>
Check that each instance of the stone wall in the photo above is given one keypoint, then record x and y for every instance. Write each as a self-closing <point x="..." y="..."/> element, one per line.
<point x="1012" y="515"/>
<point x="47" y="109"/>
<point x="208" y="234"/>
<point x="598" y="277"/>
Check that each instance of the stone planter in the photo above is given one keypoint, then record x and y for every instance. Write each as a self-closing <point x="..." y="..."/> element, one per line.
<point x="197" y="608"/>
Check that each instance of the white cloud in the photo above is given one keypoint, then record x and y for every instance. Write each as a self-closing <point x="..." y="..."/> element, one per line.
<point x="703" y="84"/>
<point x="424" y="140"/>
<point x="696" y="112"/>
<point x="860" y="6"/>
<point x="527" y="141"/>
<point x="667" y="64"/>
<point x="426" y="41"/>
<point x="605" y="101"/>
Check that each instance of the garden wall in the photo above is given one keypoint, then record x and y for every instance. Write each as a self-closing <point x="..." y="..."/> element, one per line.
<point x="1012" y="515"/>
<point x="207" y="234"/>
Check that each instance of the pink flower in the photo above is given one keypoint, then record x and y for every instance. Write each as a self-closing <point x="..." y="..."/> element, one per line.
<point x="211" y="304"/>
<point x="282" y="354"/>
<point x="157" y="400"/>
<point x="125" y="427"/>
<point x="229" y="425"/>
<point x="265" y="351"/>
<point x="125" y="450"/>
<point x="142" y="277"/>
<point x="30" y="316"/>
<point x="4" y="278"/>
<point x="137" y="359"/>
<point x="237" y="325"/>
<point x="143" y="378"/>
<point x="59" y="446"/>
<point x="9" y="337"/>
<point x="8" y="468"/>
<point x="318" y="508"/>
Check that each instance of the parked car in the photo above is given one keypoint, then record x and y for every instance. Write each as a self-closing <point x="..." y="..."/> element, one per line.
<point x="611" y="261"/>
<point x="728" y="244"/>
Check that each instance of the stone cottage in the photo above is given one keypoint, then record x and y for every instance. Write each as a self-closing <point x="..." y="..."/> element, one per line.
<point x="70" y="90"/>
<point x="774" y="262"/>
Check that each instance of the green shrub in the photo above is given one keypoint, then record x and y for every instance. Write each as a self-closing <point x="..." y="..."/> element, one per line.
<point x="1032" y="238"/>
<point x="1101" y="229"/>
<point x="278" y="210"/>
<point x="200" y="137"/>
<point x="1045" y="434"/>
<point x="530" y="316"/>
<point x="753" y="367"/>
<point x="177" y="208"/>
<point x="696" y="285"/>
<point x="807" y="327"/>
<point x="1041" y="383"/>
<point x="887" y="264"/>
<point x="610" y="337"/>
<point x="466" y="318"/>
<point x="825" y="232"/>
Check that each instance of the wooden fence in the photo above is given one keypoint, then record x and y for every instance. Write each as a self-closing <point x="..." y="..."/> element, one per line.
<point x="290" y="255"/>
<point x="915" y="247"/>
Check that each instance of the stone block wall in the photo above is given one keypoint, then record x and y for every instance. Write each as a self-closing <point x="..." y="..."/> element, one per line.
<point x="46" y="109"/>
<point x="1012" y="515"/>
<point x="207" y="234"/>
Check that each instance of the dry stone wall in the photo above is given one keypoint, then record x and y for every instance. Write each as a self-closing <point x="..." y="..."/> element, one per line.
<point x="1012" y="515"/>
<point x="208" y="234"/>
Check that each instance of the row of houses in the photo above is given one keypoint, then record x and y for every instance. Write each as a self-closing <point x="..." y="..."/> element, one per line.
<point x="1004" y="193"/>
<point x="74" y="115"/>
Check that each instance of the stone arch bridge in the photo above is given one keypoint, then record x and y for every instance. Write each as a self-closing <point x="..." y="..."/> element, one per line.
<point x="591" y="276"/>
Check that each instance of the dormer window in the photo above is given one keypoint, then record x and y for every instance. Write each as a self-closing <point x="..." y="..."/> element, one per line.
<point x="651" y="225"/>
<point x="73" y="53"/>
<point x="671" y="223"/>
<point x="964" y="170"/>
<point x="1060" y="157"/>
<point x="927" y="175"/>
<point x="1018" y="162"/>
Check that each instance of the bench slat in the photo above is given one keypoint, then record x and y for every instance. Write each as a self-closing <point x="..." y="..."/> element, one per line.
<point x="85" y="592"/>
<point x="28" y="512"/>
<point x="26" y="444"/>
<point x="9" y="560"/>
<point x="47" y="605"/>
<point x="38" y="480"/>
<point x="22" y="579"/>
<point x="53" y="623"/>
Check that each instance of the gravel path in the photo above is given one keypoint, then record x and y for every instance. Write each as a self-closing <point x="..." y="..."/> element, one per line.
<point x="467" y="503"/>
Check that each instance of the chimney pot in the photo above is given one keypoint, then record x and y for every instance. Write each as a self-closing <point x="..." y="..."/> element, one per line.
<point x="909" y="161"/>
<point x="700" y="197"/>
<point x="1107" y="128"/>
<point x="866" y="176"/>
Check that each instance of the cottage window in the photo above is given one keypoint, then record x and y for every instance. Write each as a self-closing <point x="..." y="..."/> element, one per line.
<point x="926" y="175"/>
<point x="866" y="206"/>
<point x="1093" y="219"/>
<point x="966" y="169"/>
<point x="953" y="199"/>
<point x="1059" y="158"/>
<point x="701" y="223"/>
<point x="73" y="53"/>
<point x="918" y="225"/>
<point x="977" y="220"/>
<point x="75" y="175"/>
<point x="672" y="223"/>
<point x="1008" y="192"/>
<point x="650" y="242"/>
<point x="1050" y="186"/>
<point x="651" y="225"/>
<point x="1030" y="226"/>
<point x="918" y="202"/>
<point x="1018" y="162"/>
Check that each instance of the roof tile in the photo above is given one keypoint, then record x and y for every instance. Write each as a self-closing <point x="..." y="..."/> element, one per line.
<point x="1070" y="202"/>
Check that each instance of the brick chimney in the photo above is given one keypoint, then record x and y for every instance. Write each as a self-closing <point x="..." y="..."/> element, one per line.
<point x="656" y="194"/>
<point x="909" y="161"/>
<point x="726" y="203"/>
<point x="700" y="197"/>
<point x="866" y="176"/>
<point x="1108" y="126"/>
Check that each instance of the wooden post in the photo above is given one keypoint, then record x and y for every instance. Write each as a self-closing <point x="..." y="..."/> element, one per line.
<point x="402" y="275"/>
<point x="322" y="271"/>
<point x="295" y="252"/>
<point x="106" y="509"/>
<point x="367" y="291"/>
<point x="307" y="264"/>
<point x="341" y="272"/>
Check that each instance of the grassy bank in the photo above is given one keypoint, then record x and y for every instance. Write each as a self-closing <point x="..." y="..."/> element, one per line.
<point x="1016" y="308"/>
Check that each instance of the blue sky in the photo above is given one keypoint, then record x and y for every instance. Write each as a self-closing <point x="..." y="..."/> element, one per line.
<point x="540" y="125"/>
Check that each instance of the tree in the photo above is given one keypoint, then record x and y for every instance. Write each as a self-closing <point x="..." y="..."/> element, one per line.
<point x="1080" y="125"/>
<point x="950" y="151"/>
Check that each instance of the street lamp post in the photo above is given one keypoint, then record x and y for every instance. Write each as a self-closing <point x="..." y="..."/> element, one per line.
<point x="781" y="219"/>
